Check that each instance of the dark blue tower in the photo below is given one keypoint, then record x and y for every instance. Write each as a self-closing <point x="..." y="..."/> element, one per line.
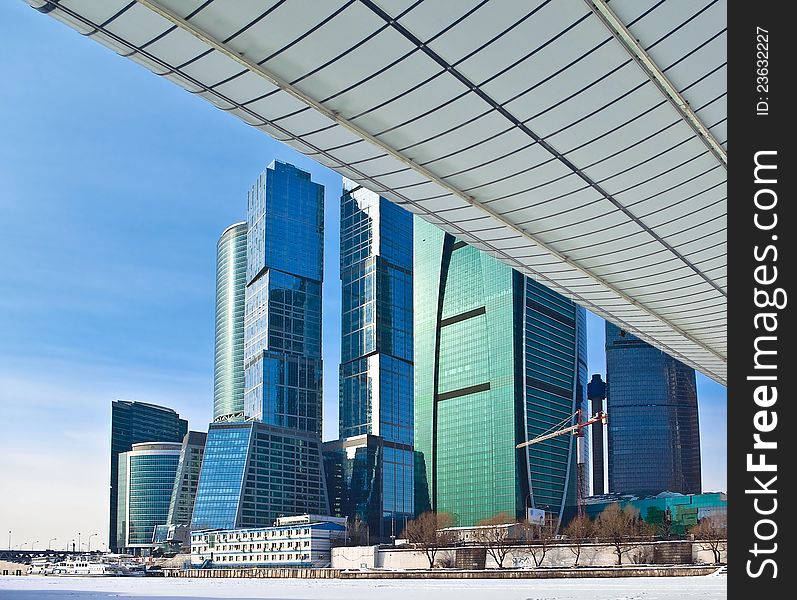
<point x="654" y="435"/>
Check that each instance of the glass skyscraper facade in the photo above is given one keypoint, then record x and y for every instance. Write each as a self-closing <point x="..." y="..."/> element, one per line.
<point x="499" y="359"/>
<point x="371" y="466"/>
<point x="133" y="423"/>
<point x="228" y="367"/>
<point x="181" y="505"/>
<point x="146" y="480"/>
<point x="254" y="472"/>
<point x="376" y="314"/>
<point x="282" y="341"/>
<point x="653" y="429"/>
<point x="270" y="465"/>
<point x="556" y="377"/>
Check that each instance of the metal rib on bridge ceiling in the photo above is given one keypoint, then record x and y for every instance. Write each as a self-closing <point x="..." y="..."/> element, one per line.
<point x="582" y="142"/>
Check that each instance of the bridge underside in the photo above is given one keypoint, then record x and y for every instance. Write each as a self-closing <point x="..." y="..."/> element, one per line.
<point x="583" y="142"/>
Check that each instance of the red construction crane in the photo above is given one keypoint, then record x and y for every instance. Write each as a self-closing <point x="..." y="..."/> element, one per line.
<point x="577" y="429"/>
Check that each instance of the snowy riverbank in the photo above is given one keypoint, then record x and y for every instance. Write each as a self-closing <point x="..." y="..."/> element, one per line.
<point x="653" y="588"/>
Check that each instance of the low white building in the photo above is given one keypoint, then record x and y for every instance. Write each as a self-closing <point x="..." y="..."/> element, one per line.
<point x="13" y="568"/>
<point x="300" y="541"/>
<point x="474" y="533"/>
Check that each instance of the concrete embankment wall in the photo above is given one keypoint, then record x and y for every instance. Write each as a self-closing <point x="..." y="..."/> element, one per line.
<point x="560" y="555"/>
<point x="679" y="571"/>
<point x="255" y="572"/>
<point x="683" y="571"/>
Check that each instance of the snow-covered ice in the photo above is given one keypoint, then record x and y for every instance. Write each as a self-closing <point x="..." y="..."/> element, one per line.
<point x="637" y="588"/>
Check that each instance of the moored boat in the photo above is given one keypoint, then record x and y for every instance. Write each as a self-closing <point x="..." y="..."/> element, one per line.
<point x="96" y="568"/>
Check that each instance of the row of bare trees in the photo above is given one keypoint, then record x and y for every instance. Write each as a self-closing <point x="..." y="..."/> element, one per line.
<point x="622" y="528"/>
<point x="618" y="527"/>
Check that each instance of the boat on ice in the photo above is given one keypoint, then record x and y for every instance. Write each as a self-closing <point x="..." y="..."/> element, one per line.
<point x="81" y="567"/>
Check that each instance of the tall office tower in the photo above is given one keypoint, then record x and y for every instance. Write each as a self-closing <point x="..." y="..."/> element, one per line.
<point x="181" y="505"/>
<point x="371" y="467"/>
<point x="654" y="436"/>
<point x="133" y="423"/>
<point x="270" y="465"/>
<point x="499" y="359"/>
<point x="228" y="368"/>
<point x="282" y="342"/>
<point x="254" y="472"/>
<point x="146" y="480"/>
<point x="596" y="394"/>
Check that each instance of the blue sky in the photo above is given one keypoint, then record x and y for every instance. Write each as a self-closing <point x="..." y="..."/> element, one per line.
<point x="115" y="187"/>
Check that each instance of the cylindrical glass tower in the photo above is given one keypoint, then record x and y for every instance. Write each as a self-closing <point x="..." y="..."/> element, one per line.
<point x="146" y="478"/>
<point x="228" y="371"/>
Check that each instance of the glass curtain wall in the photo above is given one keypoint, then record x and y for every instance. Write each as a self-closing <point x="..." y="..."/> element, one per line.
<point x="228" y="369"/>
<point x="499" y="359"/>
<point x="653" y="429"/>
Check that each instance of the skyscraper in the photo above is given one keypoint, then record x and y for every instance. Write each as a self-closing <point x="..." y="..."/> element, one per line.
<point x="499" y="359"/>
<point x="270" y="464"/>
<point x="596" y="394"/>
<point x="371" y="466"/>
<point x="282" y="341"/>
<point x="133" y="423"/>
<point x="228" y="368"/>
<point x="654" y="435"/>
<point x="146" y="480"/>
<point x="253" y="473"/>
<point x="181" y="505"/>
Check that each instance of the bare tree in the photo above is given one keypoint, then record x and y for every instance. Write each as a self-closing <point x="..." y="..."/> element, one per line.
<point x="712" y="533"/>
<point x="539" y="538"/>
<point x="577" y="532"/>
<point x="426" y="533"/>
<point x="495" y="533"/>
<point x="619" y="527"/>
<point x="357" y="531"/>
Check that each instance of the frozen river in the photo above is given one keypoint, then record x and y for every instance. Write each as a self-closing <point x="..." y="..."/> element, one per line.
<point x="643" y="588"/>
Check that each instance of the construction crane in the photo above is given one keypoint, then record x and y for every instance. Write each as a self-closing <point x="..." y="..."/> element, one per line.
<point x="576" y="429"/>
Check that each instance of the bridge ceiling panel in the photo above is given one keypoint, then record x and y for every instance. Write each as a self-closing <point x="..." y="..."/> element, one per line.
<point x="581" y="142"/>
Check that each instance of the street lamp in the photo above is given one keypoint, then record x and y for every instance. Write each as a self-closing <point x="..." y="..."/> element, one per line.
<point x="50" y="541"/>
<point x="79" y="547"/>
<point x="91" y="536"/>
<point x="9" y="539"/>
<point x="526" y="503"/>
<point x="33" y="545"/>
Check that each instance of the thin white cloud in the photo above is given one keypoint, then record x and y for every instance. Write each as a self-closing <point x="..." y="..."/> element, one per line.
<point x="55" y="440"/>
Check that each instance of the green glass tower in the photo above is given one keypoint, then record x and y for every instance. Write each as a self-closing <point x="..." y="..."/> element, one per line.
<point x="228" y="368"/>
<point x="499" y="359"/>
<point x="133" y="423"/>
<point x="146" y="480"/>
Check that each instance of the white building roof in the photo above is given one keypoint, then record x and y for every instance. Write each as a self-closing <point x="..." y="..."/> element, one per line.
<point x="582" y="142"/>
